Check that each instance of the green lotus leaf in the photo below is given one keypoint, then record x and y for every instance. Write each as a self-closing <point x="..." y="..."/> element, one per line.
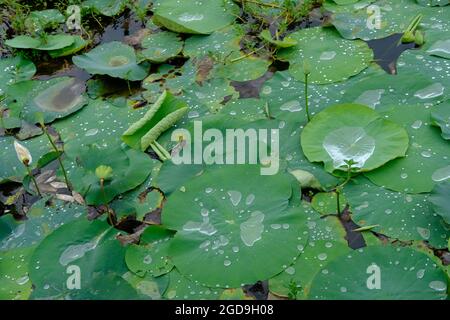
<point x="397" y="215"/>
<point x="84" y="246"/>
<point x="381" y="90"/>
<point x="225" y="235"/>
<point x="51" y="42"/>
<point x="287" y="42"/>
<point x="440" y="116"/>
<point x="78" y="44"/>
<point x="426" y="161"/>
<point x="114" y="59"/>
<point x="314" y="257"/>
<point x="130" y="168"/>
<point x="355" y="21"/>
<point x="352" y="132"/>
<point x="13" y="70"/>
<point x="42" y="219"/>
<point x="99" y="122"/>
<point x="440" y="199"/>
<point x="403" y="274"/>
<point x="107" y="8"/>
<point x="203" y="17"/>
<point x="54" y="98"/>
<point x="331" y="58"/>
<point x="151" y="256"/>
<point x="159" y="47"/>
<point x="162" y="115"/>
<point x="14" y="281"/>
<point x="40" y="20"/>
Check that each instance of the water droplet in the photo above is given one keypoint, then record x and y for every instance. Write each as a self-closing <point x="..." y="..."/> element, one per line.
<point x="426" y="154"/>
<point x="227" y="263"/>
<point x="404" y="175"/>
<point x="416" y="124"/>
<point x="266" y="90"/>
<point x="432" y="91"/>
<point x="21" y="281"/>
<point x="420" y="273"/>
<point x="91" y="132"/>
<point x="328" y="55"/>
<point x="250" y="198"/>
<point x="235" y="197"/>
<point x="438" y="286"/>
<point x="186" y="17"/>
<point x="291" y="106"/>
<point x="290" y="270"/>
<point x="370" y="98"/>
<point x="343" y="289"/>
<point x="252" y="229"/>
<point x="147" y="259"/>
<point x="424" y="233"/>
<point x="441" y="174"/>
<point x="322" y="256"/>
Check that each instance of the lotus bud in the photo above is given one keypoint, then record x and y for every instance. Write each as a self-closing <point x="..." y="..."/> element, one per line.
<point x="419" y="39"/>
<point x="103" y="172"/>
<point x="23" y="153"/>
<point x="408" y="37"/>
<point x="306" y="67"/>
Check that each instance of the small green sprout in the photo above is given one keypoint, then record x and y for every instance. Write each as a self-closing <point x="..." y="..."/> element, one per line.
<point x="307" y="72"/>
<point x="104" y="173"/>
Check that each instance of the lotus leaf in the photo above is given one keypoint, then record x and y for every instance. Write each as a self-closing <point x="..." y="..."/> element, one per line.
<point x="114" y="59"/>
<point x="161" y="46"/>
<point x="352" y="132"/>
<point x="426" y="161"/>
<point x="405" y="274"/>
<point x="203" y="17"/>
<point x="331" y="58"/>
<point x="51" y="42"/>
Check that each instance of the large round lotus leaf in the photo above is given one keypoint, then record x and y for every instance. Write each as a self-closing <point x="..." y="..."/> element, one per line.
<point x="114" y="59"/>
<point x="220" y="43"/>
<point x="181" y="288"/>
<point x="398" y="215"/>
<point x="11" y="168"/>
<point x="90" y="247"/>
<point x="329" y="57"/>
<point x="403" y="274"/>
<point x="99" y="122"/>
<point x="352" y="132"/>
<point x="185" y="16"/>
<point x="440" y="116"/>
<point x="359" y="20"/>
<point x="426" y="160"/>
<point x="161" y="46"/>
<point x="13" y="70"/>
<point x="51" y="42"/>
<point x="151" y="255"/>
<point x="107" y="8"/>
<point x="440" y="199"/>
<point x="130" y="168"/>
<point x="42" y="219"/>
<point x="14" y="281"/>
<point x="313" y="258"/>
<point x="224" y="235"/>
<point x="148" y="287"/>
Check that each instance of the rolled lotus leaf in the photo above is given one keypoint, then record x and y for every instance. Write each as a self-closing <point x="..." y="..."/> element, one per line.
<point x="114" y="59"/>
<point x="162" y="115"/>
